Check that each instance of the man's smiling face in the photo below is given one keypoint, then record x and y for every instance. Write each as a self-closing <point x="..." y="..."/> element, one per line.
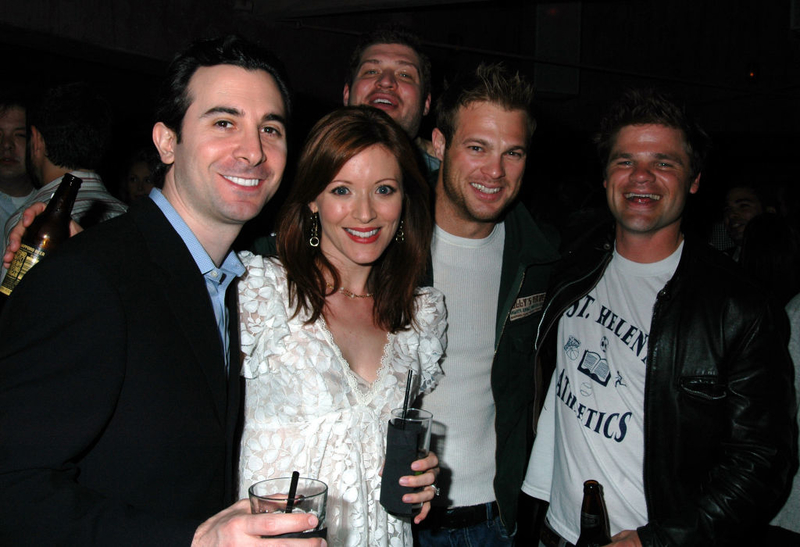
<point x="232" y="151"/>
<point x="648" y="178"/>
<point x="482" y="168"/>
<point x="389" y="77"/>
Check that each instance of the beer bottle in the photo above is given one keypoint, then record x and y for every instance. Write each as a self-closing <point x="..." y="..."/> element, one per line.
<point x="44" y="234"/>
<point x="594" y="520"/>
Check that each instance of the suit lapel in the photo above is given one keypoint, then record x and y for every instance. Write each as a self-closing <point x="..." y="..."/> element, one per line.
<point x="185" y="291"/>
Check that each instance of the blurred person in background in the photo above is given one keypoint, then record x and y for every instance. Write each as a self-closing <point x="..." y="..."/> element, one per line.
<point x="15" y="183"/>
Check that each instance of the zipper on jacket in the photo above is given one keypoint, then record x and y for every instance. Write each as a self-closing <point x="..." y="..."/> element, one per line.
<point x="660" y="296"/>
<point x="494" y="357"/>
<point x="539" y="394"/>
<point x="601" y="265"/>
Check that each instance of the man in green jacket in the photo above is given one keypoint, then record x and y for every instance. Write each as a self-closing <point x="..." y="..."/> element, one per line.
<point x="492" y="262"/>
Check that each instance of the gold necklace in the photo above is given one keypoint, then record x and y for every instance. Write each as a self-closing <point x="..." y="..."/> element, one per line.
<point x="350" y="294"/>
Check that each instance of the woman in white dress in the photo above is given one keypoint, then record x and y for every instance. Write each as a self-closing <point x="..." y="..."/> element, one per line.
<point x="331" y="329"/>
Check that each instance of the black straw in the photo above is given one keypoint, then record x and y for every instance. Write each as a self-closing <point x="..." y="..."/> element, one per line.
<point x="408" y="392"/>
<point x="292" y="491"/>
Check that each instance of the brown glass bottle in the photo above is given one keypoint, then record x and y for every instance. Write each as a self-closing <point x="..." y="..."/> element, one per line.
<point x="594" y="520"/>
<point x="45" y="233"/>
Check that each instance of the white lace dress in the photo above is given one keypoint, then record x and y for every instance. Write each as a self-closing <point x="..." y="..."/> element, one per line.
<point x="305" y="409"/>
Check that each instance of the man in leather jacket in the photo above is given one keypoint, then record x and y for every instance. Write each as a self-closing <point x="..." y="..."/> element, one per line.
<point x="671" y="382"/>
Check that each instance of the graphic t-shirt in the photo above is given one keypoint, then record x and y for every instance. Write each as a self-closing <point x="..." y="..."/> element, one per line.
<point x="592" y="423"/>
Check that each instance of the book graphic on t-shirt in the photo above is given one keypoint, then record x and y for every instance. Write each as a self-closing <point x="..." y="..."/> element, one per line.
<point x="595" y="367"/>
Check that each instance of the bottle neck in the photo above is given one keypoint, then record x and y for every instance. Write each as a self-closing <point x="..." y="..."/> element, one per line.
<point x="64" y="197"/>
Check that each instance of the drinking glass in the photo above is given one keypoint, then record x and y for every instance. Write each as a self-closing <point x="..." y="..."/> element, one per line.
<point x="408" y="439"/>
<point x="311" y="496"/>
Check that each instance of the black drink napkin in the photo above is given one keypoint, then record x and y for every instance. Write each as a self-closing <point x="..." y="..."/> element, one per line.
<point x="401" y="452"/>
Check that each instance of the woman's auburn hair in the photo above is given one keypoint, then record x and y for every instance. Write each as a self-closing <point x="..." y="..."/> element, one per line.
<point x="333" y="141"/>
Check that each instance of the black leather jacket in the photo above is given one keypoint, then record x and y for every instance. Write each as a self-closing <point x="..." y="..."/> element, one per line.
<point x="719" y="428"/>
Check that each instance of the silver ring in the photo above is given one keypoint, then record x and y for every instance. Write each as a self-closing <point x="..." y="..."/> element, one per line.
<point x="435" y="490"/>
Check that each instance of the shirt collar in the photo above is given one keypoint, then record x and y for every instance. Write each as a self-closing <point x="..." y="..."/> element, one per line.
<point x="231" y="266"/>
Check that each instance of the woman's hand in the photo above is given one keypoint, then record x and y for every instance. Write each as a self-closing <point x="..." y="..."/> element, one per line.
<point x="427" y="470"/>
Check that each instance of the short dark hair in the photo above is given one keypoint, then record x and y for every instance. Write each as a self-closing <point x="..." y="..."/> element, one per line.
<point x="75" y="122"/>
<point x="12" y="99"/>
<point x="491" y="83"/>
<point x="392" y="34"/>
<point x="332" y="142"/>
<point x="232" y="50"/>
<point x="651" y="106"/>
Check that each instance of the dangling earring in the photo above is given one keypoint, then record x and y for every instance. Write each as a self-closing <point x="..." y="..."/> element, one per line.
<point x="399" y="236"/>
<point x="314" y="239"/>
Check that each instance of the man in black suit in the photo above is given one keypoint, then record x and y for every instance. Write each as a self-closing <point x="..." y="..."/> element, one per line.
<point x="119" y="369"/>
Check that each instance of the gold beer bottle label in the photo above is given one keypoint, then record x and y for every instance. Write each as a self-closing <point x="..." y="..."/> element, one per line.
<point x="24" y="259"/>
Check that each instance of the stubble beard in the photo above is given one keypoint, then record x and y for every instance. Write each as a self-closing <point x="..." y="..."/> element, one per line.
<point x="459" y="205"/>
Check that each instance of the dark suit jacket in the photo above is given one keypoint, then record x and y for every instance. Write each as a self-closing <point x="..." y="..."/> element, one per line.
<point x="117" y="422"/>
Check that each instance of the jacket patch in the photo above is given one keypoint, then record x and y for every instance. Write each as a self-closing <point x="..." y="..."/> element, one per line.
<point x="526" y="306"/>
